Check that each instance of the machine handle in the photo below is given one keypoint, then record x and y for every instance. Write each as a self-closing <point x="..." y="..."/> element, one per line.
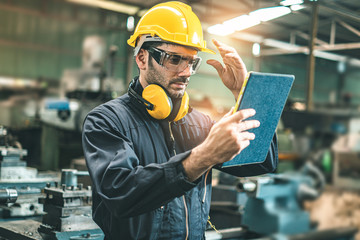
<point x="8" y="196"/>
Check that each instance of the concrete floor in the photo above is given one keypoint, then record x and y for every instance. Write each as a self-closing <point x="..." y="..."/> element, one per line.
<point x="336" y="208"/>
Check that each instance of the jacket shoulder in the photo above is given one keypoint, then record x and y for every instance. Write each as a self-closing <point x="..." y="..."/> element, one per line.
<point x="199" y="119"/>
<point x="120" y="112"/>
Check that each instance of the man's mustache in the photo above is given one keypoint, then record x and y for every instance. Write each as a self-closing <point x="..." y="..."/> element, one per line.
<point x="183" y="80"/>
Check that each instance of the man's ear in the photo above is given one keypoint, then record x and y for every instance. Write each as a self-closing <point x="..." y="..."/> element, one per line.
<point x="141" y="59"/>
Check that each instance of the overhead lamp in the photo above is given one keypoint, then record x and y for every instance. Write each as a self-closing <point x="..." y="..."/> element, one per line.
<point x="247" y="21"/>
<point x="296" y="7"/>
<point x="341" y="66"/>
<point x="130" y="23"/>
<point x="232" y="25"/>
<point x="267" y="14"/>
<point x="242" y="22"/>
<point x="109" y="5"/>
<point x="256" y="49"/>
<point x="291" y="2"/>
<point x="220" y="30"/>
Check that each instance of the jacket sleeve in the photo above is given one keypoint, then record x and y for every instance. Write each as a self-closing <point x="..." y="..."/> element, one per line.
<point x="268" y="166"/>
<point x="125" y="187"/>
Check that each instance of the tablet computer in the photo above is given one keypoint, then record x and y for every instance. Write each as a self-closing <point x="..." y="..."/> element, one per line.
<point x="267" y="94"/>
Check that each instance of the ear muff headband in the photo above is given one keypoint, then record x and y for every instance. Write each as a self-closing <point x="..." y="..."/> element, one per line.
<point x="159" y="98"/>
<point x="141" y="100"/>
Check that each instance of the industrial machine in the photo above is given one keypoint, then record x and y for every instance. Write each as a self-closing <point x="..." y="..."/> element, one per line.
<point x="278" y="200"/>
<point x="271" y="207"/>
<point x="83" y="89"/>
<point x="16" y="176"/>
<point x="67" y="205"/>
<point x="68" y="210"/>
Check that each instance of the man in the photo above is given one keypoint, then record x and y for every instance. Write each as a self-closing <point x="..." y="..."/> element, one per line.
<point x="149" y="155"/>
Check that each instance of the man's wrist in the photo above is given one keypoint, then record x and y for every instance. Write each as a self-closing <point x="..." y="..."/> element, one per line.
<point x="195" y="165"/>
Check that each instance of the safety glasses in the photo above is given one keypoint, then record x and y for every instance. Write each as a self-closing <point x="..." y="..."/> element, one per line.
<point x="175" y="62"/>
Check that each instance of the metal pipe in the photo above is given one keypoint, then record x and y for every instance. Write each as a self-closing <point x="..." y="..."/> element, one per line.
<point x="349" y="27"/>
<point x="338" y="10"/>
<point x="333" y="32"/>
<point x="311" y="58"/>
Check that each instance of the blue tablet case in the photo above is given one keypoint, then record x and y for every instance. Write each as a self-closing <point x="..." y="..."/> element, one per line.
<point x="267" y="94"/>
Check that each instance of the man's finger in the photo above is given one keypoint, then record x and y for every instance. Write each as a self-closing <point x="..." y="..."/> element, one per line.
<point x="216" y="42"/>
<point x="223" y="48"/>
<point x="248" y="124"/>
<point x="233" y="59"/>
<point x="246" y="136"/>
<point x="243" y="114"/>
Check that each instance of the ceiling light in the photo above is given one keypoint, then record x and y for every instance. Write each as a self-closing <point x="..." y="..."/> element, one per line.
<point x="256" y="49"/>
<point x="130" y="23"/>
<point x="341" y="66"/>
<point x="109" y="5"/>
<point x="220" y="30"/>
<point x="267" y="14"/>
<point x="247" y="21"/>
<point x="296" y="7"/>
<point x="242" y="22"/>
<point x="291" y="2"/>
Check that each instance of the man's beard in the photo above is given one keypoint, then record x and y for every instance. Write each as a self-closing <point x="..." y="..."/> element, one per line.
<point x="179" y="93"/>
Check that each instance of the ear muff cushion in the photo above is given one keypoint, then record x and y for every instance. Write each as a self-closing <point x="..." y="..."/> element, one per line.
<point x="184" y="107"/>
<point x="159" y="98"/>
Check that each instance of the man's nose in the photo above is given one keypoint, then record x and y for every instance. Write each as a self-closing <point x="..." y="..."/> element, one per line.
<point x="187" y="71"/>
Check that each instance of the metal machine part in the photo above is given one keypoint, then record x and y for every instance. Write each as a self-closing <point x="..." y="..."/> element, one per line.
<point x="8" y="196"/>
<point x="278" y="199"/>
<point x="68" y="210"/>
<point x="15" y="176"/>
<point x="84" y="88"/>
<point x="69" y="177"/>
<point x="11" y="154"/>
<point x="271" y="208"/>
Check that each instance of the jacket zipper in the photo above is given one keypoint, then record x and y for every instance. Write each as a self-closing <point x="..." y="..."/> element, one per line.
<point x="184" y="200"/>
<point x="172" y="139"/>
<point x="186" y="218"/>
<point x="207" y="173"/>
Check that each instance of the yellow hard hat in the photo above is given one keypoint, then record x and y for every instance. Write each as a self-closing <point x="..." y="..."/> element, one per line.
<point x="172" y="22"/>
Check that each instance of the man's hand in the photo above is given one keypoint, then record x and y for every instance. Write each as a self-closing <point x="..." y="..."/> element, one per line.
<point x="233" y="73"/>
<point x="226" y="139"/>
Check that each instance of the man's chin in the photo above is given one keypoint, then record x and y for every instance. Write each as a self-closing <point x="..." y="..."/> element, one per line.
<point x="176" y="94"/>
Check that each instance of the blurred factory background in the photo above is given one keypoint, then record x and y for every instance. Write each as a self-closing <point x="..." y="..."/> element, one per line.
<point x="59" y="59"/>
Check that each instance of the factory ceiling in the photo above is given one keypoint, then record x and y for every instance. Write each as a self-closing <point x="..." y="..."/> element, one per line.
<point x="337" y="35"/>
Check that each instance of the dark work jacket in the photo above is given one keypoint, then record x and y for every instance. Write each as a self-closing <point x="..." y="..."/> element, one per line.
<point x="140" y="189"/>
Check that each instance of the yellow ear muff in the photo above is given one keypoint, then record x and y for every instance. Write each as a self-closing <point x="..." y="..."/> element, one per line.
<point x="161" y="101"/>
<point x="184" y="107"/>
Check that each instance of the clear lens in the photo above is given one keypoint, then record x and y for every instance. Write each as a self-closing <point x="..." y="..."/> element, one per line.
<point x="175" y="62"/>
<point x="174" y="59"/>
